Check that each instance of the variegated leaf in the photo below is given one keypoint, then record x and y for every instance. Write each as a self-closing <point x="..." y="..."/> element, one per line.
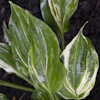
<point x="81" y="63"/>
<point x="3" y="97"/>
<point x="18" y="27"/>
<point x="10" y="65"/>
<point x="45" y="72"/>
<point x="56" y="13"/>
<point x="45" y="68"/>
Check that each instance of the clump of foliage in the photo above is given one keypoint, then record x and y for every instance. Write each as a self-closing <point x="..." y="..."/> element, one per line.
<point x="32" y="52"/>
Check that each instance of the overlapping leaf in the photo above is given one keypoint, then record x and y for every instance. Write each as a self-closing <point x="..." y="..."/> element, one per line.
<point x="56" y="13"/>
<point x="81" y="63"/>
<point x="18" y="27"/>
<point x="3" y="97"/>
<point x="46" y="70"/>
<point x="8" y="63"/>
<point x="11" y="56"/>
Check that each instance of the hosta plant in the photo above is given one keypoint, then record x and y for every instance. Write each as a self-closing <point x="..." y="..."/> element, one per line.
<point x="32" y="52"/>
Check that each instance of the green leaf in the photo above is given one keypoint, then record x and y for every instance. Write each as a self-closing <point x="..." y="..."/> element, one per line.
<point x="6" y="33"/>
<point x="39" y="95"/>
<point x="43" y="96"/>
<point x="18" y="27"/>
<point x="34" y="95"/>
<point x="25" y="29"/>
<point x="3" y="97"/>
<point x="81" y="63"/>
<point x="56" y="13"/>
<point x="8" y="63"/>
<point x="45" y="68"/>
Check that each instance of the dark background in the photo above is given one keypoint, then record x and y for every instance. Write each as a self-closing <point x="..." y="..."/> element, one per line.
<point x="88" y="10"/>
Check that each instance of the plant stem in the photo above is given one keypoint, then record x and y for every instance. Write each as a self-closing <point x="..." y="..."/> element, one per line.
<point x="27" y="80"/>
<point x="55" y="97"/>
<point x="51" y="95"/>
<point x="15" y="86"/>
<point x="61" y="36"/>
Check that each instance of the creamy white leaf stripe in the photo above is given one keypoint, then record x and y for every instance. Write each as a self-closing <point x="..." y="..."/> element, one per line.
<point x="61" y="11"/>
<point x="55" y="10"/>
<point x="81" y="71"/>
<point x="43" y="52"/>
<point x="7" y="61"/>
<point x="19" y="33"/>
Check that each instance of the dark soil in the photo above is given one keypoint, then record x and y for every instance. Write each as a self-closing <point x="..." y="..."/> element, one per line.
<point x="88" y="10"/>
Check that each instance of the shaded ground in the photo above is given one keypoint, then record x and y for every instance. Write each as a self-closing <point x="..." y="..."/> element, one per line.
<point x="88" y="10"/>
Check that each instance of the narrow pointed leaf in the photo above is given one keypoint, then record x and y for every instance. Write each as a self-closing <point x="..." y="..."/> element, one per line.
<point x="8" y="63"/>
<point x="18" y="27"/>
<point x="6" y="33"/>
<point x="3" y="97"/>
<point x="45" y="68"/>
<point x="81" y="63"/>
<point x="56" y="13"/>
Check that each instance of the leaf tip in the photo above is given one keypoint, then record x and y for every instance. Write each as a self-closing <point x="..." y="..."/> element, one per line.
<point x="10" y="2"/>
<point x="83" y="27"/>
<point x="85" y="24"/>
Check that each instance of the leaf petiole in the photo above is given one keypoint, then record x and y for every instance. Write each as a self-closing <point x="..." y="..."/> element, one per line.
<point x="3" y="83"/>
<point x="51" y="96"/>
<point x="27" y="79"/>
<point x="61" y="36"/>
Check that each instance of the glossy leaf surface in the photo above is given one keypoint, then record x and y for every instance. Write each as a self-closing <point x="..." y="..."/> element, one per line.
<point x="3" y="97"/>
<point x="8" y="63"/>
<point x="45" y="68"/>
<point x="81" y="63"/>
<point x="18" y="27"/>
<point x="25" y="29"/>
<point x="56" y="13"/>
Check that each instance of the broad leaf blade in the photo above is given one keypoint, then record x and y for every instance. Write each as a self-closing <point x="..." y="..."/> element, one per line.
<point x="46" y="71"/>
<point x="3" y="97"/>
<point x="81" y="63"/>
<point x="56" y="13"/>
<point x="8" y="63"/>
<point x="18" y="27"/>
